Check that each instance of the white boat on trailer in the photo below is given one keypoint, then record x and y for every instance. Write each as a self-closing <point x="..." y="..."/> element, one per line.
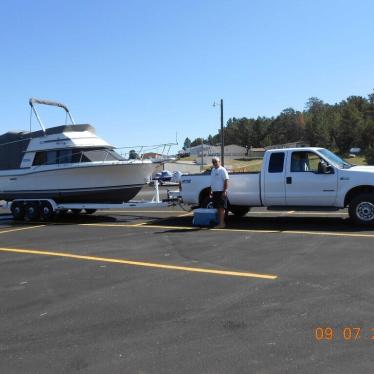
<point x="66" y="167"/>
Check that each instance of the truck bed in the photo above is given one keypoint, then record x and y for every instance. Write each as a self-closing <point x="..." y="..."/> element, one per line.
<point x="244" y="188"/>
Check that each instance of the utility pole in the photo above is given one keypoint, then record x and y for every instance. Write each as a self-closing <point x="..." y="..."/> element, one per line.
<point x="222" y="137"/>
<point x="202" y="155"/>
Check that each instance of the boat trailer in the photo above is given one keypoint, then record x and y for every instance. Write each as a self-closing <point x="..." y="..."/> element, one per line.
<point x="46" y="209"/>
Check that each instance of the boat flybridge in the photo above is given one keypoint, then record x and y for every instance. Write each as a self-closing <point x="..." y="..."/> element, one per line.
<point x="43" y="170"/>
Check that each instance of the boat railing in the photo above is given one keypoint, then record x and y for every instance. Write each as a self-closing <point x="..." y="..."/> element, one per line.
<point x="141" y="152"/>
<point x="131" y="154"/>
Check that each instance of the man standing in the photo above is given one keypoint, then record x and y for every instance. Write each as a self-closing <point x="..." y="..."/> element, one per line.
<point x="219" y="179"/>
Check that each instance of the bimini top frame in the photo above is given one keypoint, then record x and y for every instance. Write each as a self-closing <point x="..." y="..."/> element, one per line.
<point x="34" y="101"/>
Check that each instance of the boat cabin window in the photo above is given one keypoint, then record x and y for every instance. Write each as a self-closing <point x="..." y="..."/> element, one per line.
<point x="65" y="156"/>
<point x="52" y="157"/>
<point x="77" y="155"/>
<point x="39" y="158"/>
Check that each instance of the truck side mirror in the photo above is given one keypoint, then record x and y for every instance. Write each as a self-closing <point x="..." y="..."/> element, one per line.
<point x="329" y="170"/>
<point x="323" y="168"/>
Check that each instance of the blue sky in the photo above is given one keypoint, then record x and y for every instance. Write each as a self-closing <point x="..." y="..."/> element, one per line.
<point x="140" y="71"/>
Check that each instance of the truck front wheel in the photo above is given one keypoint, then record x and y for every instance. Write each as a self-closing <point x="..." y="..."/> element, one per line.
<point x="361" y="209"/>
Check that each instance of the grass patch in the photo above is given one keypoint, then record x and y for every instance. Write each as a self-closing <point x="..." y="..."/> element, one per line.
<point x="358" y="160"/>
<point x="245" y="165"/>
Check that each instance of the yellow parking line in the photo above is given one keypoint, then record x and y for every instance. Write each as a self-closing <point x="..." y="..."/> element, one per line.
<point x="22" y="228"/>
<point x="294" y="212"/>
<point x="321" y="233"/>
<point x="139" y="211"/>
<point x="141" y="263"/>
<point x="265" y="212"/>
<point x="294" y="232"/>
<point x="192" y="228"/>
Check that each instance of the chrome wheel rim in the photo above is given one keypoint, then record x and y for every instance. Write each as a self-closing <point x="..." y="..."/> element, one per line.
<point x="46" y="211"/>
<point x="31" y="210"/>
<point x="365" y="211"/>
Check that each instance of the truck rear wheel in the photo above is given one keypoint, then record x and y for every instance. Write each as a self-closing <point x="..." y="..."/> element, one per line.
<point x="361" y="209"/>
<point x="239" y="211"/>
<point x="207" y="203"/>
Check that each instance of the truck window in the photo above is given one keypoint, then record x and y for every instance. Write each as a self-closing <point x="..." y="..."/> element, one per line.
<point x="276" y="162"/>
<point x="302" y="161"/>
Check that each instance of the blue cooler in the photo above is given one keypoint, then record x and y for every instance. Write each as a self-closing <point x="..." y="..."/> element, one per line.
<point x="205" y="217"/>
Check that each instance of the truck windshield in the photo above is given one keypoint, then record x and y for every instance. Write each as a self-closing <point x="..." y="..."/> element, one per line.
<point x="334" y="160"/>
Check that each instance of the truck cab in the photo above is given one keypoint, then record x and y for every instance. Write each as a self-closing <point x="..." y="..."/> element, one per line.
<point x="298" y="177"/>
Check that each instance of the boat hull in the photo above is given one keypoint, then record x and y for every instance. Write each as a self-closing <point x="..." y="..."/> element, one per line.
<point x="92" y="183"/>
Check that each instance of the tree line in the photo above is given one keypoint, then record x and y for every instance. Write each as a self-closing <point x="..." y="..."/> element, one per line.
<point x="339" y="127"/>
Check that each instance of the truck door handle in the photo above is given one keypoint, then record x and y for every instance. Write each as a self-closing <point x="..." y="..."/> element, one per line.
<point x="289" y="180"/>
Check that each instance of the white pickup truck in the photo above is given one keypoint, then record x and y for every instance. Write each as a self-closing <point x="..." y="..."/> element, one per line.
<point x="293" y="178"/>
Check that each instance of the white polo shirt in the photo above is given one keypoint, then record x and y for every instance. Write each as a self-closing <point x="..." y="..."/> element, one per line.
<point x="217" y="178"/>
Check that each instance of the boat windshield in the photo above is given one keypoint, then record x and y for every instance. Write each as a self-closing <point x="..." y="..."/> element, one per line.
<point x="97" y="155"/>
<point x="76" y="155"/>
<point x="334" y="159"/>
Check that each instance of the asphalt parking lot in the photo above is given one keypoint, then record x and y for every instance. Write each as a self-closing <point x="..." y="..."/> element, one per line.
<point x="143" y="291"/>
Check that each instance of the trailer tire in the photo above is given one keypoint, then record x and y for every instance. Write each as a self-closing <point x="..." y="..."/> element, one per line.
<point x="32" y="212"/>
<point x="361" y="209"/>
<point x="18" y="211"/>
<point x="46" y="211"/>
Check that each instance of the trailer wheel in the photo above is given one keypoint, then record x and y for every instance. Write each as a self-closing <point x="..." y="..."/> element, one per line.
<point x="239" y="211"/>
<point x="90" y="211"/>
<point x="18" y="211"/>
<point x="46" y="211"/>
<point x="32" y="212"/>
<point x="361" y="209"/>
